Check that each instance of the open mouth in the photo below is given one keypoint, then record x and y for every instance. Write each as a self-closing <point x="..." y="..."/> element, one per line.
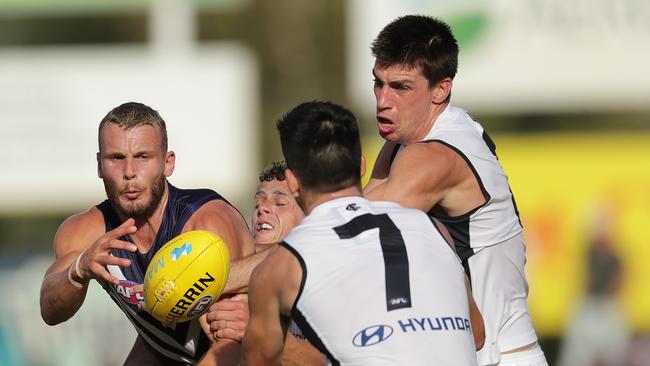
<point x="264" y="226"/>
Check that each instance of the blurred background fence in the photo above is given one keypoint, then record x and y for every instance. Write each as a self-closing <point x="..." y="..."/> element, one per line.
<point x="561" y="86"/>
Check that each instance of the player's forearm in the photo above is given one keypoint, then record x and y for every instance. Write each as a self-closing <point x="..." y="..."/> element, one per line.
<point x="223" y="352"/>
<point x="253" y="358"/>
<point x="261" y="346"/>
<point x="240" y="272"/>
<point x="60" y="300"/>
<point x="301" y="353"/>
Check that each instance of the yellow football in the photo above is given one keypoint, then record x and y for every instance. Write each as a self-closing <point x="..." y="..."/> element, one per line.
<point x="186" y="276"/>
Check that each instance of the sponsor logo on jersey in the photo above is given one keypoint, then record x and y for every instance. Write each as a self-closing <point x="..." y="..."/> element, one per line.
<point x="200" y="305"/>
<point x="183" y="250"/>
<point x="124" y="289"/>
<point x="190" y="296"/>
<point x="372" y="335"/>
<point x="378" y="333"/>
<point x="443" y="323"/>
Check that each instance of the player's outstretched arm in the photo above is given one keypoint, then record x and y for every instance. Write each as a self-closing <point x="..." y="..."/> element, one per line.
<point x="241" y="270"/>
<point x="419" y="177"/>
<point x="76" y="262"/>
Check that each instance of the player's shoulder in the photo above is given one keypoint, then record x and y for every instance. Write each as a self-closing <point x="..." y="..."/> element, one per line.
<point x="421" y="166"/>
<point x="277" y="264"/>
<point x="89" y="220"/>
<point x="215" y="210"/>
<point x="80" y="230"/>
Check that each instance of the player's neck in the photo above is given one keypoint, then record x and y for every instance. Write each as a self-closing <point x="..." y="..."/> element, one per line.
<point x="312" y="199"/>
<point x="425" y="128"/>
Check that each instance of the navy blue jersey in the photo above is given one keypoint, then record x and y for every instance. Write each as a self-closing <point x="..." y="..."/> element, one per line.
<point x="185" y="342"/>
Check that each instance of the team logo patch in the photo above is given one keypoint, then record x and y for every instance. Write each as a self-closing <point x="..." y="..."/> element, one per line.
<point x="199" y="306"/>
<point x="352" y="207"/>
<point x="372" y="335"/>
<point x="124" y="288"/>
<point x="183" y="250"/>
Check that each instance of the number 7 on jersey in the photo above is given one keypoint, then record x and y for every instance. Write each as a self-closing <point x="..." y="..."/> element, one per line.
<point x="396" y="263"/>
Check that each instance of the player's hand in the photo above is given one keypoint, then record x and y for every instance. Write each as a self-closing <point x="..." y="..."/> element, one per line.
<point x="228" y="318"/>
<point x="94" y="260"/>
<point x="143" y="307"/>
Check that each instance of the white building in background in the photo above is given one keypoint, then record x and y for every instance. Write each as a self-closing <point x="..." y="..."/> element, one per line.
<point x="53" y="98"/>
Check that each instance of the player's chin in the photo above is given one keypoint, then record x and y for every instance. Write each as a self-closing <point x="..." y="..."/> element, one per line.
<point x="388" y="136"/>
<point x="266" y="237"/>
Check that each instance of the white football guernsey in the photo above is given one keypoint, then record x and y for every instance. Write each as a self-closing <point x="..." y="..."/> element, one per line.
<point x="380" y="286"/>
<point x="488" y="238"/>
<point x="498" y="219"/>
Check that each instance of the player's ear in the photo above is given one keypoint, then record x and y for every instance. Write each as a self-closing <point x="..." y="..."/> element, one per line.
<point x="170" y="163"/>
<point x="292" y="182"/>
<point x="99" y="166"/>
<point x="363" y="166"/>
<point x="442" y="90"/>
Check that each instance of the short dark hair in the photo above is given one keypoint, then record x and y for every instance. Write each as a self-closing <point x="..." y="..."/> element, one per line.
<point x="132" y="114"/>
<point x="418" y="40"/>
<point x="275" y="172"/>
<point x="321" y="145"/>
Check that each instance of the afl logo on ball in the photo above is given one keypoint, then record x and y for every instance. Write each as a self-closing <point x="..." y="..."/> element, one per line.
<point x="125" y="289"/>
<point x="372" y="335"/>
<point x="199" y="306"/>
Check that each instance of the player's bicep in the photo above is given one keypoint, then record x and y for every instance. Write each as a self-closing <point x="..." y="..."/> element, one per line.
<point x="419" y="176"/>
<point x="223" y="220"/>
<point x="73" y="236"/>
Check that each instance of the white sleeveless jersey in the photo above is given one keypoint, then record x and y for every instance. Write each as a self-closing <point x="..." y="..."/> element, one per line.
<point x="380" y="286"/>
<point x="498" y="219"/>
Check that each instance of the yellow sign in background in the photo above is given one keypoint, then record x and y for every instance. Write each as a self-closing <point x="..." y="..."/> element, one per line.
<point x="566" y="187"/>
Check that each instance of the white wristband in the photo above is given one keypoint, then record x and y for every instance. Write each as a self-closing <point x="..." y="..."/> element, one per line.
<point x="76" y="266"/>
<point x="72" y="281"/>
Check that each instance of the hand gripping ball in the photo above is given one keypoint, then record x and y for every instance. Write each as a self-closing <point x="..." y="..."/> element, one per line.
<point x="186" y="276"/>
